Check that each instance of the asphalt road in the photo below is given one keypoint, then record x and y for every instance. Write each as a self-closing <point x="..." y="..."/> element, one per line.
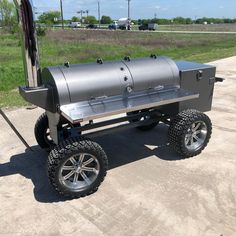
<point x="149" y="190"/>
<point x="174" y="31"/>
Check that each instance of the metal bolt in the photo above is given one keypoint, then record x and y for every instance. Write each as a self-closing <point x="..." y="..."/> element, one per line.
<point x="129" y="89"/>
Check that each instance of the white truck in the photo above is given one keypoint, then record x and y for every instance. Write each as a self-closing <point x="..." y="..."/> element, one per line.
<point x="123" y="23"/>
<point x="75" y="24"/>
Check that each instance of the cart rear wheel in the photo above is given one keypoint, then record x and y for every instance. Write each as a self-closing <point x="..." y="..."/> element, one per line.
<point x="143" y="127"/>
<point x="42" y="133"/>
<point x="190" y="132"/>
<point x="77" y="167"/>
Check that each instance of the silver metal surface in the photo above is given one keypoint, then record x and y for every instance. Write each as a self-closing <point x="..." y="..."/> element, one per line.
<point x="79" y="172"/>
<point x="29" y="42"/>
<point x="89" y="110"/>
<point x="196" y="136"/>
<point x="152" y="72"/>
<point x="77" y="83"/>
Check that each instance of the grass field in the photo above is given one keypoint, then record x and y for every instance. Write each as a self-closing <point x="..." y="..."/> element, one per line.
<point x="199" y="27"/>
<point x="85" y="46"/>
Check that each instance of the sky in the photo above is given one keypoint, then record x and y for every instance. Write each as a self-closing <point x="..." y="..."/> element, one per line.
<point x="144" y="8"/>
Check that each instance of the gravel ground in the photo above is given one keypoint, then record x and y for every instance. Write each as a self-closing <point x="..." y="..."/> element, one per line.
<point x="149" y="190"/>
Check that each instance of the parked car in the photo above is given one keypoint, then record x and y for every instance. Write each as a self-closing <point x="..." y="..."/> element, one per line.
<point x="75" y="24"/>
<point x="91" y="26"/>
<point x="148" y="26"/>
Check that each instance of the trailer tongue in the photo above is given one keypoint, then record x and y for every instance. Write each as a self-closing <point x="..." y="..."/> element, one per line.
<point x="144" y="92"/>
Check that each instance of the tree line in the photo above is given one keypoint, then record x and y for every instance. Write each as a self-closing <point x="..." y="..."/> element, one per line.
<point x="49" y="18"/>
<point x="187" y="21"/>
<point x="8" y="17"/>
<point x="53" y="17"/>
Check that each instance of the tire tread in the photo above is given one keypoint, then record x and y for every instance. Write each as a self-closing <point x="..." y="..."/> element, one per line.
<point x="178" y="127"/>
<point x="64" y="149"/>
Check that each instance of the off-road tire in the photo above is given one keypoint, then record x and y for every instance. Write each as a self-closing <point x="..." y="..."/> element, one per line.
<point x="63" y="152"/>
<point x="40" y="131"/>
<point x="179" y="127"/>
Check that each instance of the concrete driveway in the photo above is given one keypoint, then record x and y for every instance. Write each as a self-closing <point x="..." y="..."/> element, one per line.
<point x="149" y="190"/>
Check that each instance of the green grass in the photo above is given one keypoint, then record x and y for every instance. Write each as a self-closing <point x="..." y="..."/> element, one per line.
<point x="85" y="46"/>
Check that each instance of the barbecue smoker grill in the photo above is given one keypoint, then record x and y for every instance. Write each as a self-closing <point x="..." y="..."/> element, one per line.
<point x="148" y="91"/>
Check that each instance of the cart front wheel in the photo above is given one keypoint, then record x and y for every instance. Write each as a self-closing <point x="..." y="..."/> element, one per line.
<point x="77" y="167"/>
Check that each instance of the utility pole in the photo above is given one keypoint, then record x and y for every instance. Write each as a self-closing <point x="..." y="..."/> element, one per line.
<point x="62" y="17"/>
<point x="129" y="19"/>
<point x="99" y="14"/>
<point x="87" y="12"/>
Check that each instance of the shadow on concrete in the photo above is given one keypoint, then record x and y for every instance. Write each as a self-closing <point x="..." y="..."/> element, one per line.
<point x="122" y="148"/>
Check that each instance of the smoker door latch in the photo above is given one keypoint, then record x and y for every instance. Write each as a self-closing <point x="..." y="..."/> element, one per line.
<point x="199" y="75"/>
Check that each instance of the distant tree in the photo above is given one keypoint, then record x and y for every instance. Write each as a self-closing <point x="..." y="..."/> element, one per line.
<point x="179" y="20"/>
<point x="140" y="21"/>
<point x="75" y="19"/>
<point x="50" y="18"/>
<point x="161" y="21"/>
<point x="8" y="15"/>
<point x="188" y="21"/>
<point x="90" y="20"/>
<point x="106" y="20"/>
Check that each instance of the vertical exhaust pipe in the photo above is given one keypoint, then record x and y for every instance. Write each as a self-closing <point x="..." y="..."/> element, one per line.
<point x="29" y="43"/>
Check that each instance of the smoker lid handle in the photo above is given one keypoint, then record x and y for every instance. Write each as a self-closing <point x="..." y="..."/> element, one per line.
<point x="219" y="79"/>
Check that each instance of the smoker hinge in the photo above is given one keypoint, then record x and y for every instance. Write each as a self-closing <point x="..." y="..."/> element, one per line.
<point x="154" y="56"/>
<point x="127" y="58"/>
<point x="67" y="64"/>
<point x="100" y="61"/>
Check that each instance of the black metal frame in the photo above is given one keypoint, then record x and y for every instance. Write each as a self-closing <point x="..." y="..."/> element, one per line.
<point x="134" y="120"/>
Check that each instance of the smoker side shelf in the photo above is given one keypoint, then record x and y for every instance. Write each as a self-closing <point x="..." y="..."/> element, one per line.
<point x="90" y="110"/>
